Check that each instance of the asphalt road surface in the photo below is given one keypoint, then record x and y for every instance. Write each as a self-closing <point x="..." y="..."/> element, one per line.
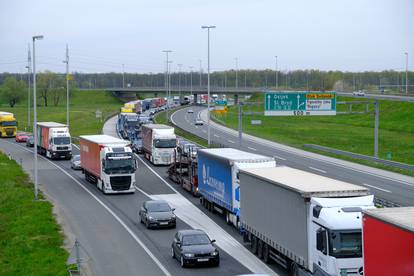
<point x="107" y="226"/>
<point x="393" y="187"/>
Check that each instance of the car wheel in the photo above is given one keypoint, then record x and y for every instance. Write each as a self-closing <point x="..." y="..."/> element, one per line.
<point x="217" y="263"/>
<point x="172" y="253"/>
<point x="140" y="219"/>
<point x="182" y="261"/>
<point x="147" y="224"/>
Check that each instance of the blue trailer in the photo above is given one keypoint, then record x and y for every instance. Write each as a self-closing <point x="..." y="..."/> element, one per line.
<point x="218" y="181"/>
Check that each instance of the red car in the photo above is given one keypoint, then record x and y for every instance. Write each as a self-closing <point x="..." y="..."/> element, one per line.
<point x="22" y="137"/>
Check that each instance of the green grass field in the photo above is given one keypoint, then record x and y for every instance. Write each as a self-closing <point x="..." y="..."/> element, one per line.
<point x="30" y="239"/>
<point x="353" y="133"/>
<point x="83" y="105"/>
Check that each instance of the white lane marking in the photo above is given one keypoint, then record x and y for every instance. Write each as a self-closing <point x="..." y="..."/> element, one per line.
<point x="75" y="146"/>
<point x="252" y="148"/>
<point x="378" y="188"/>
<point x="316" y="169"/>
<point x="215" y="135"/>
<point x="278" y="157"/>
<point x="230" y="141"/>
<point x="135" y="237"/>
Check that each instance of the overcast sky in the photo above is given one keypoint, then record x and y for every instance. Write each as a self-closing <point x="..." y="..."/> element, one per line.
<point x="350" y="35"/>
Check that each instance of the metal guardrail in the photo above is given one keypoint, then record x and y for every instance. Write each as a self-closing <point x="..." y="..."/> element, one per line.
<point x="363" y="157"/>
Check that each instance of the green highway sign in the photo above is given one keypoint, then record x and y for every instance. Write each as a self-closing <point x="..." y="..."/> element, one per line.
<point x="299" y="103"/>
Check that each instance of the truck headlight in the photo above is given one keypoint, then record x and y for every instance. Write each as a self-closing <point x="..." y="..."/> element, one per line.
<point x="189" y="255"/>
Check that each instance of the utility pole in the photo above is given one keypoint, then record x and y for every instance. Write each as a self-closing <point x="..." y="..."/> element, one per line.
<point x="406" y="73"/>
<point x="201" y="71"/>
<point x="277" y="75"/>
<point x="37" y="37"/>
<point x="67" y="84"/>
<point x="179" y="81"/>
<point x="29" y="69"/>
<point x="167" y="81"/>
<point x="208" y="81"/>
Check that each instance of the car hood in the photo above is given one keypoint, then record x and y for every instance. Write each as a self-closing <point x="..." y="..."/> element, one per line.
<point x="161" y="215"/>
<point x="198" y="249"/>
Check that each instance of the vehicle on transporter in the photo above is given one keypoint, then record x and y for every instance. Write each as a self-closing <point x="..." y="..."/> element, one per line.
<point x="307" y="223"/>
<point x="108" y="162"/>
<point x="158" y="143"/>
<point x="218" y="179"/>
<point x="184" y="171"/>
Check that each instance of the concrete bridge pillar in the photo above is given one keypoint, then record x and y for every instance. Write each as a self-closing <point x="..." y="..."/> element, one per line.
<point x="195" y="98"/>
<point x="236" y="99"/>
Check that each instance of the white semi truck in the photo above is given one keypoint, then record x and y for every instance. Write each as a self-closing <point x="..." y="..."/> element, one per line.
<point x="307" y="223"/>
<point x="108" y="162"/>
<point x="53" y="140"/>
<point x="159" y="143"/>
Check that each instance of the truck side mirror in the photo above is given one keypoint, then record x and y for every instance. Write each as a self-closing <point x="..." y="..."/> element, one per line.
<point x="321" y="241"/>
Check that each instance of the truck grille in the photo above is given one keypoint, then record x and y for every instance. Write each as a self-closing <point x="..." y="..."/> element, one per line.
<point x="9" y="132"/>
<point x="62" y="148"/>
<point x="120" y="183"/>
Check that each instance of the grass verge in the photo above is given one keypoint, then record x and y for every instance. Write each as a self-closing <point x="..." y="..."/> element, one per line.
<point x="83" y="107"/>
<point x="354" y="133"/>
<point x="30" y="239"/>
<point x="160" y="118"/>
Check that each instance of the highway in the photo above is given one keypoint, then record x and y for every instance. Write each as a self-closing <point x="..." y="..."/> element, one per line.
<point x="391" y="186"/>
<point x="109" y="230"/>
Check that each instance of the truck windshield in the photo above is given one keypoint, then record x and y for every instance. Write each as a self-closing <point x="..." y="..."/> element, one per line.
<point x="345" y="244"/>
<point x="165" y="143"/>
<point x="61" y="140"/>
<point x="8" y="124"/>
<point x="118" y="165"/>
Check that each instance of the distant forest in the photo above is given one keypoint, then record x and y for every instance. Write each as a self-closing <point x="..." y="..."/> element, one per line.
<point x="292" y="80"/>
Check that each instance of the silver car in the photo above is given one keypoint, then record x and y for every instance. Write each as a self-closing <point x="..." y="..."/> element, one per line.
<point x="75" y="162"/>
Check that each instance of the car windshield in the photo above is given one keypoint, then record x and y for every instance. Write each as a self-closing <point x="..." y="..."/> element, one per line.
<point x="158" y="207"/>
<point x="61" y="140"/>
<point x="119" y="165"/>
<point x="76" y="158"/>
<point x="195" y="239"/>
<point x="165" y="143"/>
<point x="10" y="123"/>
<point x="345" y="244"/>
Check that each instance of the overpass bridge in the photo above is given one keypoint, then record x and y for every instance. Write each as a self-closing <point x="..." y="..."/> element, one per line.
<point x="131" y="92"/>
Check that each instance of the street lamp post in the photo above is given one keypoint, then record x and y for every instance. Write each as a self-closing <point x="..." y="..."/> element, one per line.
<point x="123" y="76"/>
<point x="37" y="37"/>
<point x="167" y="81"/>
<point x="201" y="70"/>
<point x="406" y="73"/>
<point x="208" y="81"/>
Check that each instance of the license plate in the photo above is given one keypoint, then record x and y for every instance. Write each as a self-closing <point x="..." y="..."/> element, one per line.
<point x="202" y="260"/>
<point x="163" y="223"/>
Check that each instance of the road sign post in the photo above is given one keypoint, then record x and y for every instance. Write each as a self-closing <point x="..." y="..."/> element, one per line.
<point x="299" y="103"/>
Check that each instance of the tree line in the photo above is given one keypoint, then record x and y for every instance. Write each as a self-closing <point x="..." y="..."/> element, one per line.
<point x="51" y="86"/>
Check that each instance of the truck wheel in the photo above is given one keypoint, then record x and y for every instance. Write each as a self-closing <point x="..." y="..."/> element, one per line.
<point x="253" y="245"/>
<point x="266" y="258"/>
<point x="228" y="221"/>
<point x="260" y="249"/>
